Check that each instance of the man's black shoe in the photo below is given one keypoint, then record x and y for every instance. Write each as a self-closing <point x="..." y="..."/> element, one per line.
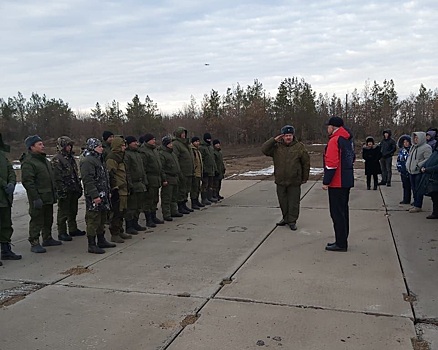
<point x="381" y="183"/>
<point x="293" y="226"/>
<point x="77" y="233"/>
<point x="333" y="243"/>
<point x="281" y="223"/>
<point x="335" y="248"/>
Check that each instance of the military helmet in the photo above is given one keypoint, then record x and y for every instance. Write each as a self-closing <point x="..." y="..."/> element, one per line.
<point x="63" y="142"/>
<point x="92" y="143"/>
<point x="287" y="129"/>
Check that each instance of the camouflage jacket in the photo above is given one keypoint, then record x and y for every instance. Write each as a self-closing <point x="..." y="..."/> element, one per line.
<point x="152" y="164"/>
<point x="65" y="172"/>
<point x="7" y="175"/>
<point x="95" y="180"/>
<point x="171" y="169"/>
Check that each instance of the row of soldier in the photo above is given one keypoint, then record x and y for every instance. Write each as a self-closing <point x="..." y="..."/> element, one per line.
<point x="121" y="179"/>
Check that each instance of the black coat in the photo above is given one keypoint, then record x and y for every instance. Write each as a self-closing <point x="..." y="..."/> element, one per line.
<point x="371" y="157"/>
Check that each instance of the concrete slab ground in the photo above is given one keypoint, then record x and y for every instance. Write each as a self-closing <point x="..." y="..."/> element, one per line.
<point x="192" y="255"/>
<point x="57" y="317"/>
<point x="310" y="276"/>
<point x="429" y="334"/>
<point x="227" y="325"/>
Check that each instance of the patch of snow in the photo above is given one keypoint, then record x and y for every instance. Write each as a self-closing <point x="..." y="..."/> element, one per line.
<point x="270" y="170"/>
<point x="319" y="144"/>
<point x="20" y="191"/>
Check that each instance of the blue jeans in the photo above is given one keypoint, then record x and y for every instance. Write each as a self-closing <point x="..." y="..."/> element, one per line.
<point x="418" y="198"/>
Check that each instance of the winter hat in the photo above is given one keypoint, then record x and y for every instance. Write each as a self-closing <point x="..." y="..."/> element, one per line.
<point x="148" y="137"/>
<point x="141" y="139"/>
<point x="287" y="129"/>
<point x="92" y="143"/>
<point x="369" y="139"/>
<point x="336" y="122"/>
<point x="166" y="140"/>
<point x="387" y="131"/>
<point x="215" y="142"/>
<point x="31" y="140"/>
<point x="195" y="138"/>
<point x="207" y="136"/>
<point x="64" y="141"/>
<point x="130" y="139"/>
<point x="106" y="135"/>
<point x="402" y="139"/>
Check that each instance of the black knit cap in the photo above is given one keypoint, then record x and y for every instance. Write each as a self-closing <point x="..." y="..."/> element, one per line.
<point x="194" y="139"/>
<point x="207" y="136"/>
<point x="130" y="139"/>
<point x="335" y="121"/>
<point x="106" y="135"/>
<point x="148" y="137"/>
<point x="216" y="141"/>
<point x="166" y="140"/>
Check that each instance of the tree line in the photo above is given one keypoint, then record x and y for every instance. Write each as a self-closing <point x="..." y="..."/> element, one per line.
<point x="241" y="115"/>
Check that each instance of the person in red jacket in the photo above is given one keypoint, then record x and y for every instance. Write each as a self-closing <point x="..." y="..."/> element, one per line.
<point x="338" y="179"/>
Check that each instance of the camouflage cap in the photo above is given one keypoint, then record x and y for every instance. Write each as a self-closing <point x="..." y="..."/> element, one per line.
<point x="64" y="141"/>
<point x="92" y="143"/>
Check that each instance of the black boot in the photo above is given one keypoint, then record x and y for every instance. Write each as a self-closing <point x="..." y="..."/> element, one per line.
<point x="204" y="199"/>
<point x="64" y="237"/>
<point x="155" y="219"/>
<point x="149" y="221"/>
<point x="130" y="228"/>
<point x="7" y="253"/>
<point x="137" y="226"/>
<point x="184" y="204"/>
<point x="77" y="233"/>
<point x="92" y="247"/>
<point x="198" y="203"/>
<point x="194" y="205"/>
<point x="210" y="196"/>
<point x="103" y="243"/>
<point x="181" y="209"/>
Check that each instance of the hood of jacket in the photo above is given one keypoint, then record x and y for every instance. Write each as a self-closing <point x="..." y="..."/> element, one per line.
<point x="116" y="144"/>
<point x="402" y="139"/>
<point x="387" y="131"/>
<point x="179" y="131"/>
<point x="341" y="132"/>
<point x="421" y="137"/>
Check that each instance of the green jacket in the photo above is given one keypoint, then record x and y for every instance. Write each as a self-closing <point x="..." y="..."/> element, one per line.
<point x="106" y="150"/>
<point x="137" y="180"/>
<point x="95" y="180"/>
<point x="116" y="167"/>
<point x="181" y="148"/>
<point x="291" y="162"/>
<point x="7" y="175"/>
<point x="65" y="172"/>
<point x="220" y="166"/>
<point x="152" y="164"/>
<point x="208" y="158"/>
<point x="37" y="178"/>
<point x="171" y="169"/>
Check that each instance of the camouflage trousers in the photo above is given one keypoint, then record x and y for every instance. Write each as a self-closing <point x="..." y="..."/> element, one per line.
<point x="289" y="200"/>
<point x="169" y="195"/>
<point x="41" y="221"/>
<point x="67" y="212"/>
<point x="95" y="222"/>
<point x="6" y="229"/>
<point x="151" y="199"/>
<point x="117" y="214"/>
<point x="136" y="204"/>
<point x="184" y="188"/>
<point x="196" y="188"/>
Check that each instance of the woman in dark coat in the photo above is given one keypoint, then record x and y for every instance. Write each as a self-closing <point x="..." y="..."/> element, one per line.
<point x="429" y="181"/>
<point x="371" y="154"/>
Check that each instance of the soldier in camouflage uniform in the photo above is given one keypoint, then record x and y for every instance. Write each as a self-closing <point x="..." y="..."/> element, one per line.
<point x="220" y="169"/>
<point x="153" y="169"/>
<point x="137" y="183"/>
<point x="97" y="196"/>
<point x="37" y="178"/>
<point x="171" y="177"/>
<point x="209" y="170"/>
<point x="7" y="187"/>
<point x="181" y="148"/>
<point x="119" y="189"/>
<point x="68" y="189"/>
<point x="197" y="175"/>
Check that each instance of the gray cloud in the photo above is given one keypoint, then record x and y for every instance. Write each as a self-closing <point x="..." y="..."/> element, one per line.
<point x="88" y="51"/>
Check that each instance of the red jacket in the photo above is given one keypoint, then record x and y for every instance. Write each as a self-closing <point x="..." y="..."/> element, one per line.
<point x="338" y="160"/>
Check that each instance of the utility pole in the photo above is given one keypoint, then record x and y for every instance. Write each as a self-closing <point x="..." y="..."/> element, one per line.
<point x="346" y="106"/>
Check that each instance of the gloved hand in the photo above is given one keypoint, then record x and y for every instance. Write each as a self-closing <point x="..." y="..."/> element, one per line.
<point x="38" y="203"/>
<point x="9" y="188"/>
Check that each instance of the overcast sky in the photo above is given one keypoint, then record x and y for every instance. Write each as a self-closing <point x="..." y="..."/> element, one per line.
<point x="88" y="51"/>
